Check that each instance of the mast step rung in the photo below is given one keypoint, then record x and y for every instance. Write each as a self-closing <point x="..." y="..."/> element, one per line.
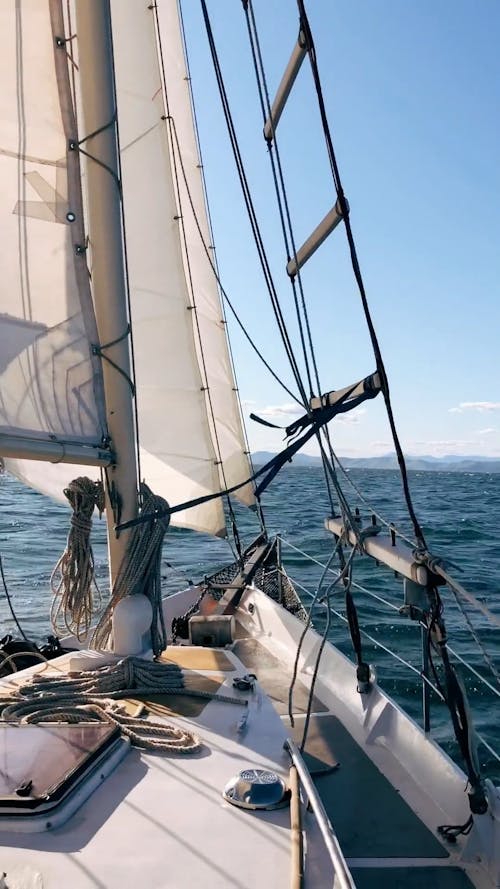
<point x="370" y="384"/>
<point x="287" y="81"/>
<point x="315" y="240"/>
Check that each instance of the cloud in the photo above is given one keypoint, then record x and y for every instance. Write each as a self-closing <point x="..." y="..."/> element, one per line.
<point x="352" y="416"/>
<point x="481" y="406"/>
<point x="278" y="410"/>
<point x="445" y="443"/>
<point x="458" y="447"/>
<point x="485" y="431"/>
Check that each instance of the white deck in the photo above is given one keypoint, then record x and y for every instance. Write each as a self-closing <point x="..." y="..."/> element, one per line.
<point x="161" y="821"/>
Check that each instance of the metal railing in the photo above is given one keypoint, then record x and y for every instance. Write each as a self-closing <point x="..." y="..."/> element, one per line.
<point x="341" y="870"/>
<point x="422" y="672"/>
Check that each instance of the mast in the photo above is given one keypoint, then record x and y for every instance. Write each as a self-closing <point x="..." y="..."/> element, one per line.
<point x="95" y="50"/>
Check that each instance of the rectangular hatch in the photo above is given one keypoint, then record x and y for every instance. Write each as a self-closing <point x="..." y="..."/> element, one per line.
<point x="47" y="771"/>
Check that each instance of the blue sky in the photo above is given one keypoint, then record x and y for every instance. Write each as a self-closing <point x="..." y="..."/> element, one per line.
<point x="413" y="96"/>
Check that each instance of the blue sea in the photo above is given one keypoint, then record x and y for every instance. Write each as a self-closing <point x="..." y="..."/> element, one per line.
<point x="460" y="515"/>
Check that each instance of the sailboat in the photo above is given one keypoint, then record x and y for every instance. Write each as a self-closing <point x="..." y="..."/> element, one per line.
<point x="213" y="737"/>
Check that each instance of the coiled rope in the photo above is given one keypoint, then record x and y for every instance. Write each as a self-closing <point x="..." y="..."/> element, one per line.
<point x="91" y="696"/>
<point x="140" y="572"/>
<point x="73" y="578"/>
<point x="143" y="733"/>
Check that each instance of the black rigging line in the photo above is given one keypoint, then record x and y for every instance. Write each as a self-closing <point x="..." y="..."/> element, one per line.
<point x="269" y="469"/>
<point x="331" y="471"/>
<point x="211" y="235"/>
<point x="251" y="210"/>
<point x="279" y="186"/>
<point x="289" y="241"/>
<point x="357" y="273"/>
<point x="454" y="695"/>
<point x="9" y="602"/>
<point x="219" y="282"/>
<point x="283" y="209"/>
<point x="192" y="296"/>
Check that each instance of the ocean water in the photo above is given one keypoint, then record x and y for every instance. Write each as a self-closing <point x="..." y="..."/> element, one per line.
<point x="460" y="515"/>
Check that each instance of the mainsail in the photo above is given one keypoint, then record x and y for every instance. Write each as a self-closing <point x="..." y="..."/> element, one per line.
<point x="190" y="429"/>
<point x="51" y="399"/>
<point x="191" y="435"/>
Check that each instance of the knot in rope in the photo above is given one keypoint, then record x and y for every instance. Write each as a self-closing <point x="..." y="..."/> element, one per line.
<point x="74" y="575"/>
<point x="80" y="523"/>
<point x="84" y="494"/>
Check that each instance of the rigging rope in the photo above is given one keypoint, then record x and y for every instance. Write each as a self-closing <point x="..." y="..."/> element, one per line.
<point x="9" y="601"/>
<point x="317" y="663"/>
<point x="251" y="210"/>
<point x="281" y="195"/>
<point x="73" y="577"/>
<point x="455" y="697"/>
<point x="341" y="576"/>
<point x="192" y="296"/>
<point x="394" y="607"/>
<point x="304" y="22"/>
<point x="319" y="418"/>
<point x="219" y="282"/>
<point x="140" y="571"/>
<point x="296" y="280"/>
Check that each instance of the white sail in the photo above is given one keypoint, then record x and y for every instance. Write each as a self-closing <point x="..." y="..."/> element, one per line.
<point x="50" y="386"/>
<point x="192" y="442"/>
<point x="179" y="395"/>
<point x="224" y="413"/>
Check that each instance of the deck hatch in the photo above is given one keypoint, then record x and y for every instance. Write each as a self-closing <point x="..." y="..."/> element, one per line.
<point x="40" y="765"/>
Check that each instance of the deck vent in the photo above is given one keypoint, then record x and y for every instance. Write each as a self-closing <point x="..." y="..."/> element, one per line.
<point x="256" y="789"/>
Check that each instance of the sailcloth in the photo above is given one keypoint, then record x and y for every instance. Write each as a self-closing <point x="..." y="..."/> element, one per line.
<point x="50" y="385"/>
<point x="192" y="441"/>
<point x="191" y="435"/>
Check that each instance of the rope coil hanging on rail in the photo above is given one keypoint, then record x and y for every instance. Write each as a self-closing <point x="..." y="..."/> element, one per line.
<point x="73" y="578"/>
<point x="140" y="571"/>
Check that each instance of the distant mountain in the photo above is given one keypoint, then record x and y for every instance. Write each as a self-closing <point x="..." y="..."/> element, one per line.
<point x="261" y="457"/>
<point x="449" y="463"/>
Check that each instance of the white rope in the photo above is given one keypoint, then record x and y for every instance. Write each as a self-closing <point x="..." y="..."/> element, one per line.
<point x="140" y="572"/>
<point x="143" y="733"/>
<point x="91" y="696"/>
<point x="73" y="577"/>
